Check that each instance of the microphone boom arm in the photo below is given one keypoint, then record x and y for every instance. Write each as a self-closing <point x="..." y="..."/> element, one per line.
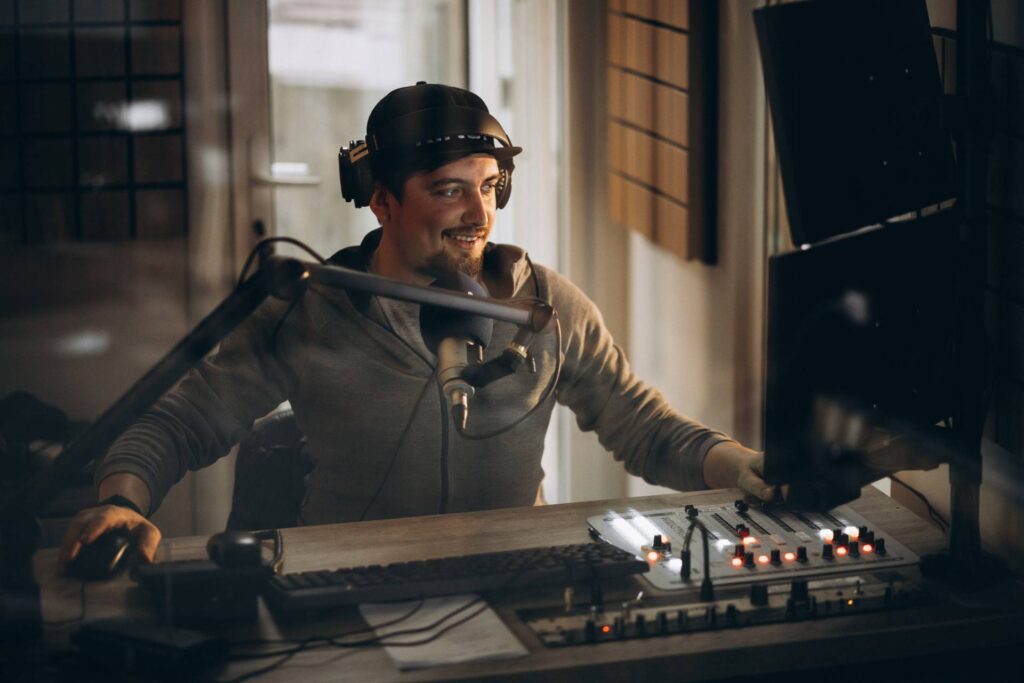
<point x="281" y="277"/>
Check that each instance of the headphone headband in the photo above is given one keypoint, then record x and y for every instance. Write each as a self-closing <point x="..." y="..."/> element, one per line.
<point x="440" y="125"/>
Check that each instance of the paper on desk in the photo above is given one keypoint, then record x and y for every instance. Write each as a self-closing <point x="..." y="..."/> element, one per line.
<point x="484" y="636"/>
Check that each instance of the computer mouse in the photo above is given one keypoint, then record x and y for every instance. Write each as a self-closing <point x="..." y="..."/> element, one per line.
<point x="104" y="558"/>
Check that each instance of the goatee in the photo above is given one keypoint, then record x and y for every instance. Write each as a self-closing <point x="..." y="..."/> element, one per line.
<point x="444" y="263"/>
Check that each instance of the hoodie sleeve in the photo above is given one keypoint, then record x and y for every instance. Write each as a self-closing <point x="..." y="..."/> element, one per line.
<point x="631" y="419"/>
<point x="209" y="411"/>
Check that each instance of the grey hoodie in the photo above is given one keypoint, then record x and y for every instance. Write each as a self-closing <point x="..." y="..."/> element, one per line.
<point x="363" y="391"/>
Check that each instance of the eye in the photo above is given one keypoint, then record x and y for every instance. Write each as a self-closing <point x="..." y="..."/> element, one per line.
<point x="448" y="192"/>
<point x="488" y="187"/>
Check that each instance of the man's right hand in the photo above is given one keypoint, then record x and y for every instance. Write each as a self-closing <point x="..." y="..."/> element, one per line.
<point x="91" y="523"/>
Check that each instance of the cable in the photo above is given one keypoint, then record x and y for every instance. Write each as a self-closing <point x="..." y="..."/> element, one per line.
<point x="398" y="448"/>
<point x="938" y="519"/>
<point x="707" y="592"/>
<point x="271" y="240"/>
<point x="548" y="390"/>
<point x="375" y="641"/>
<point x="381" y="639"/>
<point x="317" y="642"/>
<point x="344" y="634"/>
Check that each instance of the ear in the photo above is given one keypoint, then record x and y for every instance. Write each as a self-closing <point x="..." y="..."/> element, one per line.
<point x="380" y="203"/>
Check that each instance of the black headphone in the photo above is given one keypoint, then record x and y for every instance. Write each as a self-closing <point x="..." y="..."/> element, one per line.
<point x="416" y="133"/>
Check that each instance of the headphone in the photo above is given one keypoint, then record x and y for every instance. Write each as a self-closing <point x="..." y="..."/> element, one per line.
<point x="418" y="133"/>
<point x="240" y="549"/>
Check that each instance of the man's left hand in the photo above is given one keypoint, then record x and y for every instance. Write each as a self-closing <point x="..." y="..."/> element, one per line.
<point x="731" y="465"/>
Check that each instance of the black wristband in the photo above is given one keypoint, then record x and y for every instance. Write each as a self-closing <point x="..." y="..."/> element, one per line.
<point x="121" y="501"/>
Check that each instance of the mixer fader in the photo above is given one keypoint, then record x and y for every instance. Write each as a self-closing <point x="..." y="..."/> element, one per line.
<point x="748" y="543"/>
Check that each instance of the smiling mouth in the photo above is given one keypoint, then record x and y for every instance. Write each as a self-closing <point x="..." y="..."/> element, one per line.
<point x="462" y="239"/>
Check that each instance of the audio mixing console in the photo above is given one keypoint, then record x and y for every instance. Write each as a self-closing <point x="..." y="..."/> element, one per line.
<point x="749" y="543"/>
<point x="765" y="565"/>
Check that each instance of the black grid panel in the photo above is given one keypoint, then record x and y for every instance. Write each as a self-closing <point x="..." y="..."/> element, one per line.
<point x="92" y="135"/>
<point x="1005" y="287"/>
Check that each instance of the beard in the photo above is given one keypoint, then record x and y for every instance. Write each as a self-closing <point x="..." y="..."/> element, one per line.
<point x="443" y="263"/>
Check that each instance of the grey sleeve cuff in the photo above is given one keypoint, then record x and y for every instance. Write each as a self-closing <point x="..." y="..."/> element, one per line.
<point x="681" y="465"/>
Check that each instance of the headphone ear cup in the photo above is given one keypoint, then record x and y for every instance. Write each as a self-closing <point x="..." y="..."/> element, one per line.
<point x="504" y="187"/>
<point x="356" y="177"/>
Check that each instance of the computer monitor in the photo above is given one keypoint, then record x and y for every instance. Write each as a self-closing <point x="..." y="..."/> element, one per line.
<point x="860" y="354"/>
<point x="856" y="106"/>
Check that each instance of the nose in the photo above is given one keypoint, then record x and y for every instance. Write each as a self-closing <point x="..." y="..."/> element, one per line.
<point x="477" y="206"/>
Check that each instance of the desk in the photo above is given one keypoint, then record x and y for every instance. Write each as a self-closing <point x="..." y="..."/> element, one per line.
<point x="948" y="629"/>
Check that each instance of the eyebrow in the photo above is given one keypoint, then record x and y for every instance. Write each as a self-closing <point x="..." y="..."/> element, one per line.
<point x="459" y="181"/>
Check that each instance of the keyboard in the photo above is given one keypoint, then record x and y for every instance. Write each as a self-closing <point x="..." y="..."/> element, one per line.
<point x="561" y="565"/>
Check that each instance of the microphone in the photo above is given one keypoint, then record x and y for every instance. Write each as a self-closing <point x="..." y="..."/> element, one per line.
<point x="450" y="335"/>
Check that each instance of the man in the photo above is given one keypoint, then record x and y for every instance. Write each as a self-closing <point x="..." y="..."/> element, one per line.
<point x="361" y="380"/>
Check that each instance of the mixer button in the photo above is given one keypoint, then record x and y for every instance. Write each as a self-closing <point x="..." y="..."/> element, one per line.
<point x="662" y="622"/>
<point x="741" y="506"/>
<point x="590" y="631"/>
<point x="880" y="546"/>
<point x="749" y="561"/>
<point x="826" y="552"/>
<point x="801" y="554"/>
<point x="798" y="590"/>
<point x="683" y="620"/>
<point x="640" y="625"/>
<point x="776" y="557"/>
<point x="759" y="594"/>
<point x="854" y="549"/>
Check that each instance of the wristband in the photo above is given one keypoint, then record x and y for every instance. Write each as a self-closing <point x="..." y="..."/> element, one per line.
<point x="121" y="501"/>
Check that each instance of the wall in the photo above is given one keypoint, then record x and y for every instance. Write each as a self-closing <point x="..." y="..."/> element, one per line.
<point x="694" y="331"/>
<point x="597" y="253"/>
<point x="697" y="329"/>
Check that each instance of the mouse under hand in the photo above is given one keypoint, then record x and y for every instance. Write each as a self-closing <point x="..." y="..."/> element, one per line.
<point x="100" y="540"/>
<point x="104" y="558"/>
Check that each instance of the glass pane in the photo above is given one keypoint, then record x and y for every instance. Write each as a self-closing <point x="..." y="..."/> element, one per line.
<point x="329" y="64"/>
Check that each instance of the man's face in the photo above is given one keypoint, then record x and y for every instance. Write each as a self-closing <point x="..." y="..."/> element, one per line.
<point x="445" y="217"/>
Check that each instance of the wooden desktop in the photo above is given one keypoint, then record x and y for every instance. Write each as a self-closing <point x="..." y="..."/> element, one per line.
<point x="951" y="632"/>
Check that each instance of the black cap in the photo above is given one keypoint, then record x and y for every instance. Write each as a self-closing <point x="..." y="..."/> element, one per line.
<point x="427" y="125"/>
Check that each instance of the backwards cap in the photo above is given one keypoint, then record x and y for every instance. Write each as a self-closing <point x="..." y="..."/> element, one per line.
<point x="424" y="126"/>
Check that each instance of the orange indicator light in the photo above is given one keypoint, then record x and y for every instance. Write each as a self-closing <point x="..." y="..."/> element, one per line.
<point x="851" y="602"/>
<point x="789" y="557"/>
<point x="606" y="629"/>
<point x="867" y="548"/>
<point x="762" y="559"/>
<point x="749" y="540"/>
<point x="841" y="550"/>
<point x="737" y="562"/>
<point x="653" y="556"/>
<point x="852" y="532"/>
